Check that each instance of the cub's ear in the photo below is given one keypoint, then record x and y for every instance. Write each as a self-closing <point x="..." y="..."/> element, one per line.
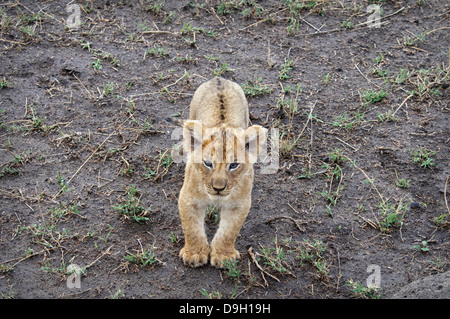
<point x="193" y="132"/>
<point x="255" y="139"/>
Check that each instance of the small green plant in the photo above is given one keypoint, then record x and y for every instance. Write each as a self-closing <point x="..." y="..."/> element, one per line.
<point x="164" y="162"/>
<point x="61" y="269"/>
<point x="169" y="17"/>
<point x="225" y="7"/>
<point x="337" y="156"/>
<point x="173" y="238"/>
<point x="188" y="28"/>
<point x="254" y="10"/>
<point x="428" y="82"/>
<point x="410" y="41"/>
<point x="386" y="117"/>
<point x="423" y="247"/>
<point x="211" y="58"/>
<point x="332" y="198"/>
<point x="166" y="159"/>
<point x="28" y="252"/>
<point x="295" y="7"/>
<point x="9" y="170"/>
<point x="344" y="121"/>
<point x="288" y="143"/>
<point x="402" y="183"/>
<point x="391" y="216"/>
<point x="145" y="126"/>
<point x="108" y="89"/>
<point x="422" y="156"/>
<point x="402" y="76"/>
<point x="143" y="27"/>
<point x="311" y="252"/>
<point x="9" y="294"/>
<point x="379" y="59"/>
<point x="333" y="172"/>
<point x="213" y="295"/>
<point x="106" y="56"/>
<point x="213" y="213"/>
<point x="188" y="58"/>
<point x="155" y="6"/>
<point x="37" y="123"/>
<point x="127" y="169"/>
<point x="442" y="220"/>
<point x="132" y="209"/>
<point x="370" y="97"/>
<point x="62" y="183"/>
<point x="363" y="292"/>
<point x="5" y="268"/>
<point x="347" y="24"/>
<point x="86" y="45"/>
<point x="306" y="173"/>
<point x="150" y="174"/>
<point x="118" y="294"/>
<point x="439" y="263"/>
<point x="105" y="237"/>
<point x="328" y="211"/>
<point x="420" y="2"/>
<point x="286" y="68"/>
<point x="275" y="257"/>
<point x="232" y="269"/>
<point x="49" y="235"/>
<point x="63" y="210"/>
<point x="27" y="32"/>
<point x="255" y="87"/>
<point x="294" y="26"/>
<point x="157" y="51"/>
<point x="222" y="69"/>
<point x="97" y="64"/>
<point x="142" y="258"/>
<point x="132" y="37"/>
<point x="4" y="83"/>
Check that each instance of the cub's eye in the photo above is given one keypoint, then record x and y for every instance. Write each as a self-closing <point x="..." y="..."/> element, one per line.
<point x="208" y="164"/>
<point x="233" y="166"/>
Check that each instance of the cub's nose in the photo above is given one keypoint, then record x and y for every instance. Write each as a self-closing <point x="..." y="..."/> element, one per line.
<point x="219" y="189"/>
<point x="218" y="184"/>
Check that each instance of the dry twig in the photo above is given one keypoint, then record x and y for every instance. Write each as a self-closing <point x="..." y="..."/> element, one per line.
<point x="252" y="255"/>
<point x="296" y="222"/>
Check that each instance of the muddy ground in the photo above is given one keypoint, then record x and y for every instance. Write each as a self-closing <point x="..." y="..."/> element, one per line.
<point x="87" y="115"/>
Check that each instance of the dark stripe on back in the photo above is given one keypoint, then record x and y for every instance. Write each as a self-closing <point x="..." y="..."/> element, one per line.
<point x="222" y="106"/>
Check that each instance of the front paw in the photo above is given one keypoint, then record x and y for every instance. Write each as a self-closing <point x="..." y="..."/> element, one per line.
<point x="219" y="256"/>
<point x="194" y="257"/>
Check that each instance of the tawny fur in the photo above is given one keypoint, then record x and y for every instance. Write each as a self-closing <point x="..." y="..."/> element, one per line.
<point x="218" y="123"/>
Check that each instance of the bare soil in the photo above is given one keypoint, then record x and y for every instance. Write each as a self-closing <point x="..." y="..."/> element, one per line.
<point x="87" y="115"/>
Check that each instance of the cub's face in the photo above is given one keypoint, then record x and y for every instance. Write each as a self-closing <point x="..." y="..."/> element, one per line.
<point x="222" y="157"/>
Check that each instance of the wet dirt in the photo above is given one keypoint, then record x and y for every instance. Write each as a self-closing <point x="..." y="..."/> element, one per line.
<point x="87" y="115"/>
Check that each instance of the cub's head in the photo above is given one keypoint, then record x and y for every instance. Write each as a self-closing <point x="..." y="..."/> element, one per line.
<point x="222" y="157"/>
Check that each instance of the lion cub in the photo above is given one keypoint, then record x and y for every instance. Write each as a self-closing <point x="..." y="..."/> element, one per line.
<point x="221" y="150"/>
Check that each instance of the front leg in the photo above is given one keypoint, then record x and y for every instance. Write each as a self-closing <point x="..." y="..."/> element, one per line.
<point x="196" y="249"/>
<point x="222" y="245"/>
